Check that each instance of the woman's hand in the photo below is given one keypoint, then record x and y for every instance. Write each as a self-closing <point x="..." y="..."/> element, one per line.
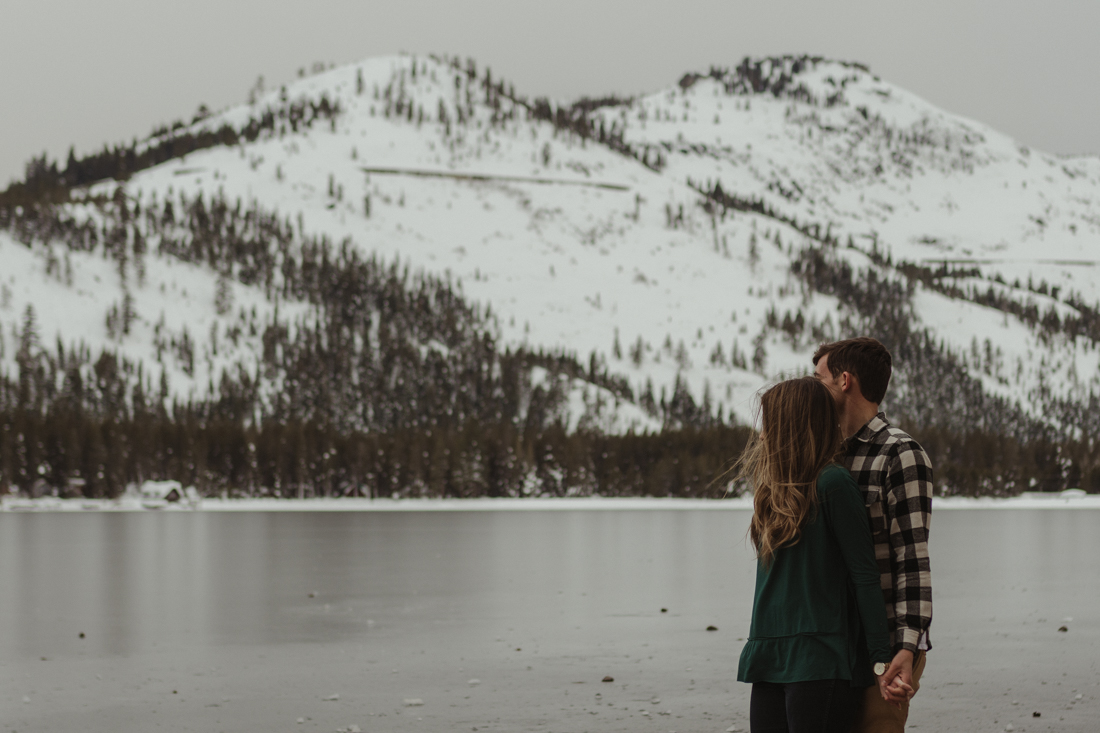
<point x="894" y="684"/>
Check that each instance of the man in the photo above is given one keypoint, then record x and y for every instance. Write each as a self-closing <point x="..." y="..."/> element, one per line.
<point x="895" y="476"/>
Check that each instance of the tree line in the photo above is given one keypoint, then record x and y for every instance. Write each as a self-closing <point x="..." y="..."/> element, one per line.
<point x="383" y="360"/>
<point x="47" y="181"/>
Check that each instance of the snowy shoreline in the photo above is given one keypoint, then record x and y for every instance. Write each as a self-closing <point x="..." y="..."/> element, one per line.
<point x="1071" y="499"/>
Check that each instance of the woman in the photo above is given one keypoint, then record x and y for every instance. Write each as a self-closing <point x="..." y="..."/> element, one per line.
<point x="819" y="632"/>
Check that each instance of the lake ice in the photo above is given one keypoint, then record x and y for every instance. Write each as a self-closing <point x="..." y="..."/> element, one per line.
<point x="494" y="620"/>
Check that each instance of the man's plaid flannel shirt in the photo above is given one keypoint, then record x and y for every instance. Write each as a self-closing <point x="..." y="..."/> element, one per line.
<point x="895" y="476"/>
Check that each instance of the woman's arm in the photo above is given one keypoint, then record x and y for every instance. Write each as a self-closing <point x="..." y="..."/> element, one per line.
<point x="848" y="522"/>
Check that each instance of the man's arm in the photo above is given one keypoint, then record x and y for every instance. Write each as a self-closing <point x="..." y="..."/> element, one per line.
<point x="908" y="493"/>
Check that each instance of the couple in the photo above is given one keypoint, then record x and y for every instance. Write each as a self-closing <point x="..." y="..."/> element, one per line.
<point x="841" y="510"/>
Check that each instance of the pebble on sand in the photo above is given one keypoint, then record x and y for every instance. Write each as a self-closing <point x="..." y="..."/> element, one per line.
<point x="664" y="610"/>
<point x="712" y="628"/>
<point x="608" y="678"/>
<point x="1036" y="714"/>
<point x="1063" y="629"/>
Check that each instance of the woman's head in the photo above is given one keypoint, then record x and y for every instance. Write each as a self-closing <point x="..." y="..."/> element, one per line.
<point x="799" y="435"/>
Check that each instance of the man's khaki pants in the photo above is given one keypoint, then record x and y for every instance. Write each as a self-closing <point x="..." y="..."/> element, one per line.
<point x="879" y="716"/>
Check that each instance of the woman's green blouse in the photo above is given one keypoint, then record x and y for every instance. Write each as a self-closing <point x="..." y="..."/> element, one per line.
<point x="819" y="597"/>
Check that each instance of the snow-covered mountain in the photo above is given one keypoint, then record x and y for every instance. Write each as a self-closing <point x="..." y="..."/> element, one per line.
<point x="704" y="237"/>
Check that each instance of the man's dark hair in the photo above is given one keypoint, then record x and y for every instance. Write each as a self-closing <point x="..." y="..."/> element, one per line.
<point x="865" y="358"/>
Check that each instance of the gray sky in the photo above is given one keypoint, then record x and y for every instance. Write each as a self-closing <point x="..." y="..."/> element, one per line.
<point x="89" y="72"/>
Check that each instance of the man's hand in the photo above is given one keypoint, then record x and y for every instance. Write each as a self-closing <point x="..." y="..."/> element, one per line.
<point x="896" y="684"/>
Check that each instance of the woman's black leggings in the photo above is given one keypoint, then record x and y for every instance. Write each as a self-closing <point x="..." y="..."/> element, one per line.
<point x="822" y="706"/>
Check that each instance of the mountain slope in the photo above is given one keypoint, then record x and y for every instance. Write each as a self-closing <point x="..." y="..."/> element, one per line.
<point x="702" y="238"/>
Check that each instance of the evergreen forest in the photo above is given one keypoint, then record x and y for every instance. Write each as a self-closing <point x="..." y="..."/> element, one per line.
<point x="393" y="384"/>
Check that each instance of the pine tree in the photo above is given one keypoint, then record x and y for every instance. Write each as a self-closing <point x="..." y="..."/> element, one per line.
<point x="128" y="314"/>
<point x="223" y="295"/>
<point x="683" y="362"/>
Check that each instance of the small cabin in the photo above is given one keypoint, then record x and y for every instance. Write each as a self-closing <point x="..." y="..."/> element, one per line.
<point x="170" y="491"/>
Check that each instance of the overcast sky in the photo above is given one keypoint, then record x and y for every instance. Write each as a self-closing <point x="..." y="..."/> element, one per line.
<point x="88" y="72"/>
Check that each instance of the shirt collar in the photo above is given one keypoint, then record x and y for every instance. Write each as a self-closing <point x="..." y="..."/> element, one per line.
<point x="873" y="427"/>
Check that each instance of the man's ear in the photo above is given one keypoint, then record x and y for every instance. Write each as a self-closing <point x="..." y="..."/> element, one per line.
<point x="849" y="383"/>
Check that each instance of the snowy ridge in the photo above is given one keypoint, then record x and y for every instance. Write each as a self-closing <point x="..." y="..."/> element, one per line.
<point x="661" y="240"/>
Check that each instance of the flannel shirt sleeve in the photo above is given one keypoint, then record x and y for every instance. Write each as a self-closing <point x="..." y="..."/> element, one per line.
<point x="908" y="494"/>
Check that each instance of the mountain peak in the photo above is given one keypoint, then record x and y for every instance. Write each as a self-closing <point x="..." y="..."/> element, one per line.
<point x="777" y="75"/>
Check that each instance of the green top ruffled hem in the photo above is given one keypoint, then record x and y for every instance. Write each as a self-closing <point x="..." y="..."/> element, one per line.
<point x="774" y="660"/>
<point x="818" y="612"/>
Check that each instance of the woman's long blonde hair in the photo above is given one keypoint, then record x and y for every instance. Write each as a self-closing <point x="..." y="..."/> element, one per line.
<point x="799" y="435"/>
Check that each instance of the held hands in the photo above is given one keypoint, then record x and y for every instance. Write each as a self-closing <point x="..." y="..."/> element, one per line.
<point x="896" y="683"/>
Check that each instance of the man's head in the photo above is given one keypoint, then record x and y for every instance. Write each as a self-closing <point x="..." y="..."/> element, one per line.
<point x="852" y="368"/>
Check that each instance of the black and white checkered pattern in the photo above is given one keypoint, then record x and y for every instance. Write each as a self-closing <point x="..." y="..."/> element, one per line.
<point x="895" y="476"/>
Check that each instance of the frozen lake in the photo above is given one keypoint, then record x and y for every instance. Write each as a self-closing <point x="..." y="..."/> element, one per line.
<point x="493" y="621"/>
